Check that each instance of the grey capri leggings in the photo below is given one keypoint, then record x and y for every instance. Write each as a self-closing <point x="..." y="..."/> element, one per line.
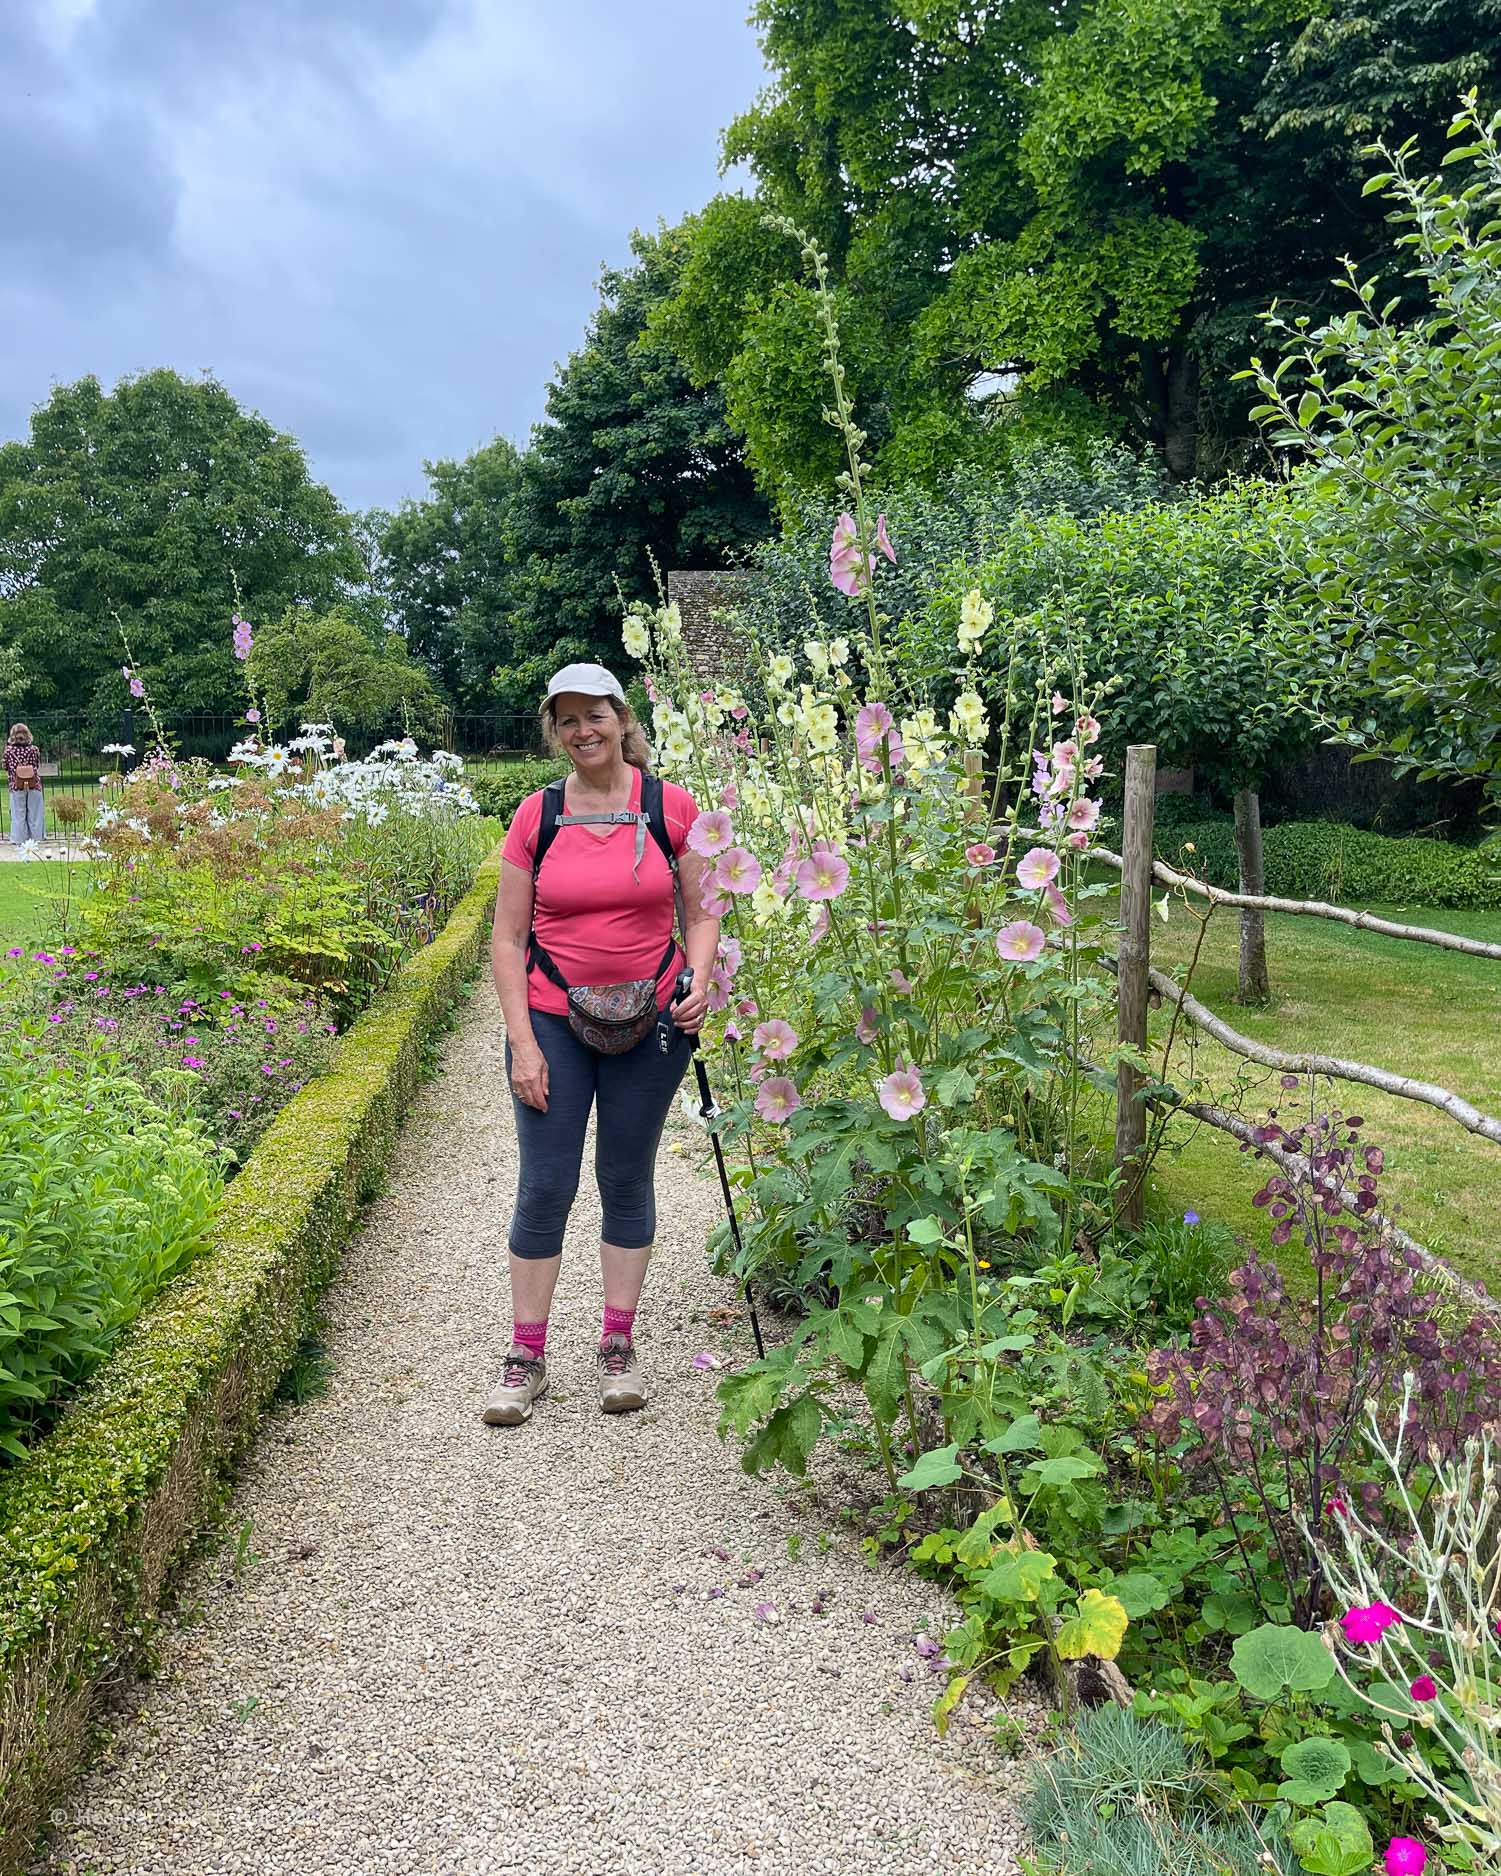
<point x="631" y="1094"/>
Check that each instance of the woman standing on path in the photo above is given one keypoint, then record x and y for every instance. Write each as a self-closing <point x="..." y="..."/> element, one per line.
<point x="586" y="905"/>
<point x="23" y="771"/>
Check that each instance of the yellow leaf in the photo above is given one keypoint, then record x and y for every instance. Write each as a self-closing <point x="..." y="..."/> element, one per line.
<point x="1098" y="1629"/>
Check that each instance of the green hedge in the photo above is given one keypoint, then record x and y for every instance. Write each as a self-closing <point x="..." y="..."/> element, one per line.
<point x="93" y="1520"/>
<point x="501" y="795"/>
<point x="1323" y="860"/>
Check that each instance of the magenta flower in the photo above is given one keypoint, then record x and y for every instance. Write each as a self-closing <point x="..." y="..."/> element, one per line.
<point x="775" y="1039"/>
<point x="1083" y="815"/>
<point x="1425" y="1687"/>
<point x="737" y="871"/>
<point x="1366" y="1625"/>
<point x="980" y="854"/>
<point x="1037" y="868"/>
<point x="777" y="1099"/>
<point x="825" y="876"/>
<point x="191" y="1061"/>
<point x="1020" y="941"/>
<point x="1405" y="1856"/>
<point x="901" y="1094"/>
<point x="712" y="833"/>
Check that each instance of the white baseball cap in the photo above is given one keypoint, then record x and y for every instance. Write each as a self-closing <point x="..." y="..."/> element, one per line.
<point x="584" y="680"/>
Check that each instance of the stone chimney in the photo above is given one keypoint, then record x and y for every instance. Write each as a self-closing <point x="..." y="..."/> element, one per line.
<point x="714" y="647"/>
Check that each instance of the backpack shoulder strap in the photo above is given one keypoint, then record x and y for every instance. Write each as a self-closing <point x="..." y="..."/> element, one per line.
<point x="652" y="806"/>
<point x="547" y="827"/>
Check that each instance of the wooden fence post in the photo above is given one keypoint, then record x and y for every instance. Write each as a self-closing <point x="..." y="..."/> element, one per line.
<point x="974" y="786"/>
<point x="1135" y="960"/>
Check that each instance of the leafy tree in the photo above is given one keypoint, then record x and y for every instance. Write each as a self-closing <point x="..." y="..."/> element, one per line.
<point x="1397" y="559"/>
<point x="1099" y="196"/>
<point x="330" y="668"/>
<point x="442" y="566"/>
<point x="632" y="463"/>
<point x="152" y="502"/>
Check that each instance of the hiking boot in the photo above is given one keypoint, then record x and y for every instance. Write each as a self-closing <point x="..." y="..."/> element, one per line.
<point x="522" y="1381"/>
<point x="621" y="1389"/>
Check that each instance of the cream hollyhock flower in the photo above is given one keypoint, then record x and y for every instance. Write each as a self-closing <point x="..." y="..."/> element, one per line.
<point x="970" y="718"/>
<point x="678" y="747"/>
<point x="766" y="903"/>
<point x="636" y="638"/>
<point x="821" y="726"/>
<point x="781" y="670"/>
<point x="839" y="652"/>
<point x="787" y="712"/>
<point x="817" y="655"/>
<point x="975" y="617"/>
<point x="923" y="741"/>
<point x="670" y="625"/>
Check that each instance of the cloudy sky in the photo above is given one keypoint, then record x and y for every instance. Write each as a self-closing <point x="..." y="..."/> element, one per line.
<point x="378" y="222"/>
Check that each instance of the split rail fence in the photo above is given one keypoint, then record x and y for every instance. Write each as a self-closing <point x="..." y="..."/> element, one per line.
<point x="1138" y="983"/>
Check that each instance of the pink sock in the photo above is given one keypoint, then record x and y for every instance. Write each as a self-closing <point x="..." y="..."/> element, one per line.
<point x="617" y="1322"/>
<point x="532" y="1336"/>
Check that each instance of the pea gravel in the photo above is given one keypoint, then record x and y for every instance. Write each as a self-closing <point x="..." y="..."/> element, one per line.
<point x="428" y="1645"/>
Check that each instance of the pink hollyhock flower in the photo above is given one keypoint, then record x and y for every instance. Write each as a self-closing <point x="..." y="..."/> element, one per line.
<point x="1425" y="1687"/>
<point x="1078" y="841"/>
<point x="901" y="982"/>
<point x="1037" y="868"/>
<point x="1020" y="941"/>
<point x="242" y="637"/>
<point x="777" y="1099"/>
<point x="1088" y="729"/>
<point x="737" y="871"/>
<point x="820" y="926"/>
<point x="1065" y="755"/>
<point x="718" y="995"/>
<point x="712" y="899"/>
<point x="848" y="567"/>
<point x="704" y="1361"/>
<point x="1093" y="769"/>
<point x="729" y="797"/>
<point x="901" y="1094"/>
<point x="1058" y="906"/>
<point x="739" y="713"/>
<point x="1060" y="703"/>
<point x="730" y="954"/>
<point x="651" y="689"/>
<point x="712" y="833"/>
<point x="980" y="854"/>
<point x="867" y="1029"/>
<point x="252" y="716"/>
<point x="1084" y="814"/>
<point x="775" y="1039"/>
<point x="872" y="723"/>
<point x="1405" y="1856"/>
<point x="883" y="539"/>
<point x="137" y="688"/>
<point x="747" y="1007"/>
<point x="825" y="876"/>
<point x="732" y="1032"/>
<point x="1368" y="1624"/>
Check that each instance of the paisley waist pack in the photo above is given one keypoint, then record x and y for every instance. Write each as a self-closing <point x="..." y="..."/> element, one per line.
<point x="609" y="1018"/>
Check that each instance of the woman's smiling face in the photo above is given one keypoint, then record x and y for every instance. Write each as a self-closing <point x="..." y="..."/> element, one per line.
<point x="589" y="731"/>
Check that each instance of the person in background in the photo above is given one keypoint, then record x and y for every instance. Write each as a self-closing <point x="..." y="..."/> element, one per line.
<point x="23" y="773"/>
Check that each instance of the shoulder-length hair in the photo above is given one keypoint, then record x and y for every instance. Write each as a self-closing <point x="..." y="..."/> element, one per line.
<point x="633" y="744"/>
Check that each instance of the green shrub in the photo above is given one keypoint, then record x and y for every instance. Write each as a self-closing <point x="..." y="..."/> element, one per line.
<point x="500" y="795"/>
<point x="101" y="1200"/>
<point x="1324" y="860"/>
<point x="1124" y="1796"/>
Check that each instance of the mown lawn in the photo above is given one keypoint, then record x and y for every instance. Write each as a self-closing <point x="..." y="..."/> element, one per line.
<point x="29" y="890"/>
<point x="1412" y="1008"/>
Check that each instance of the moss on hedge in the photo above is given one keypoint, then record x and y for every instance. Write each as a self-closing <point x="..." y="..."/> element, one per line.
<point x="92" y="1522"/>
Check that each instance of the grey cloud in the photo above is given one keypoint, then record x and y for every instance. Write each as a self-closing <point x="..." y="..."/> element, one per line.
<point x="81" y="191"/>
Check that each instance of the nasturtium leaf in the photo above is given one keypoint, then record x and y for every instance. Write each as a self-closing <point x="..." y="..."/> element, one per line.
<point x="939" y="1467"/>
<point x="1337" y="1842"/>
<point x="1228" y="1611"/>
<point x="1097" y="1629"/>
<point x="1276" y="1659"/>
<point x="1139" y="1592"/>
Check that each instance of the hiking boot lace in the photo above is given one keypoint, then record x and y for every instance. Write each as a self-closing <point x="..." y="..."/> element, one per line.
<point x="615" y="1357"/>
<point x="519" y="1370"/>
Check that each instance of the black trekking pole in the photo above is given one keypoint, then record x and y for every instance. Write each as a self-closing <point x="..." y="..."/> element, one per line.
<point x="707" y="1112"/>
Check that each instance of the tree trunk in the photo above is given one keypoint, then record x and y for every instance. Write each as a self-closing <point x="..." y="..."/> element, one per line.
<point x="1255" y="984"/>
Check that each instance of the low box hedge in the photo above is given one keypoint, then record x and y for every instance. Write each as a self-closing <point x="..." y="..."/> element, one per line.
<point x="92" y="1521"/>
<point x="1325" y="860"/>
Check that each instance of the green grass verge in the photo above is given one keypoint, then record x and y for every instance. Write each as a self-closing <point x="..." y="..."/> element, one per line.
<point x="1431" y="1014"/>
<point x="92" y="1523"/>
<point x="29" y="893"/>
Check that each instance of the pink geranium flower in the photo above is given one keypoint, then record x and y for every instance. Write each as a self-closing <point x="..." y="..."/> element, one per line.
<point x="980" y="854"/>
<point x="737" y="871"/>
<point x="1020" y="941"/>
<point x="1405" y="1856"/>
<point x="901" y="1094"/>
<point x="1037" y="868"/>
<point x="1363" y="1626"/>
<point x="775" y="1039"/>
<point x="712" y="833"/>
<point x="777" y="1099"/>
<point x="1083" y="815"/>
<point x="825" y="876"/>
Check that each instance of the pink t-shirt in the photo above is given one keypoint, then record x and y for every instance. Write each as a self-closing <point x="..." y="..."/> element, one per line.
<point x="599" y="919"/>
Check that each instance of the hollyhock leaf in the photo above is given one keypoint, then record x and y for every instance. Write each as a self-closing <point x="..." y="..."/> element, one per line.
<point x="1276" y="1658"/>
<point x="1098" y="1628"/>
<point x="939" y="1467"/>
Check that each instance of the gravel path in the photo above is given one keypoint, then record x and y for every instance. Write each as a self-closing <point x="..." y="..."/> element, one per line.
<point x="456" y="1649"/>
